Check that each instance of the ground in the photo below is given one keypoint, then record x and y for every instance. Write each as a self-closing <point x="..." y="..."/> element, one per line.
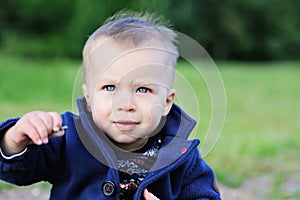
<point x="36" y="193"/>
<point x="255" y="188"/>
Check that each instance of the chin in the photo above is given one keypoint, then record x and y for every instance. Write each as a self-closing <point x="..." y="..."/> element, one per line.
<point x="125" y="140"/>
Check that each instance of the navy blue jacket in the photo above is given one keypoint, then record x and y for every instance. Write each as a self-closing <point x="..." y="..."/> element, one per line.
<point x="69" y="164"/>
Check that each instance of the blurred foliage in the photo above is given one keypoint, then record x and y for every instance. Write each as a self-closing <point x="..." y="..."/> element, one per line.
<point x="228" y="29"/>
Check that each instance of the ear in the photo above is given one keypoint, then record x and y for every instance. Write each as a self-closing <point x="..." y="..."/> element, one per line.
<point x="85" y="92"/>
<point x="169" y="102"/>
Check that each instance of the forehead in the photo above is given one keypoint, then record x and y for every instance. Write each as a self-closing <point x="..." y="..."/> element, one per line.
<point x="142" y="62"/>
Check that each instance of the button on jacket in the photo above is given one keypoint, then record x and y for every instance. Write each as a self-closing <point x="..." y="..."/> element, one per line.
<point x="76" y="172"/>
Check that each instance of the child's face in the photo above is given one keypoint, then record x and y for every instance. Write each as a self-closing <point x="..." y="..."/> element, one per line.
<point x="128" y="98"/>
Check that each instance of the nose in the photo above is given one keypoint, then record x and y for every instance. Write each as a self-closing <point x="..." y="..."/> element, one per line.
<point x="124" y="101"/>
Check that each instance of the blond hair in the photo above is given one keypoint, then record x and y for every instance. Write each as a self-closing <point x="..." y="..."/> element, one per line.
<point x="131" y="30"/>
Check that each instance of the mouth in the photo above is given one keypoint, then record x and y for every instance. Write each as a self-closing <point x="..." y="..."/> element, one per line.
<point x="126" y="125"/>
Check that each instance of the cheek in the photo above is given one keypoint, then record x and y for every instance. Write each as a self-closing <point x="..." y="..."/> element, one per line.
<point x="152" y="114"/>
<point x="101" y="106"/>
<point x="152" y="107"/>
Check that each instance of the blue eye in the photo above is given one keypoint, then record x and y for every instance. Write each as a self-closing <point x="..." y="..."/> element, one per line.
<point x="143" y="90"/>
<point x="109" y="88"/>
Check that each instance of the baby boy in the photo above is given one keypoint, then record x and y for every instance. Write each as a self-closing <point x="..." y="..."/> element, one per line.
<point x="129" y="140"/>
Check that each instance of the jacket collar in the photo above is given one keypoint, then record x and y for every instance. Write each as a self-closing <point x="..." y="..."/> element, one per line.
<point x="179" y="123"/>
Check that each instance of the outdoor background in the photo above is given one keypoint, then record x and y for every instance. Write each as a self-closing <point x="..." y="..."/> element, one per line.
<point x="254" y="43"/>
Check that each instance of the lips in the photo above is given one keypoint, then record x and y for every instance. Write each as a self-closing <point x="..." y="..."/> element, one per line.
<point x="126" y="125"/>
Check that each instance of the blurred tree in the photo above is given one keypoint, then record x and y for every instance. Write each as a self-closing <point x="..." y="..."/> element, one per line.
<point x="233" y="29"/>
<point x="88" y="16"/>
<point x="228" y="29"/>
<point x="39" y="17"/>
<point x="34" y="27"/>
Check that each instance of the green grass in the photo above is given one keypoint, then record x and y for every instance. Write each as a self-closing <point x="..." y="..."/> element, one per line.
<point x="35" y="84"/>
<point x="262" y="124"/>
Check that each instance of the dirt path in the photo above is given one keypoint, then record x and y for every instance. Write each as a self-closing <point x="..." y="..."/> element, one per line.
<point x="237" y="194"/>
<point x="25" y="193"/>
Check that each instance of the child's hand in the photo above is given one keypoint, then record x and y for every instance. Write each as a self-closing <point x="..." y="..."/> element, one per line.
<point x="149" y="196"/>
<point x="33" y="128"/>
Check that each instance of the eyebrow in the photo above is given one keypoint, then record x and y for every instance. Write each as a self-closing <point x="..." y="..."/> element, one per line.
<point x="107" y="80"/>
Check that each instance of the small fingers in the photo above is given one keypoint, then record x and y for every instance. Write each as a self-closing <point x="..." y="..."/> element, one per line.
<point x="32" y="133"/>
<point x="58" y="129"/>
<point x="56" y="121"/>
<point x="149" y="196"/>
<point x="52" y="122"/>
<point x="58" y="133"/>
<point x="41" y="125"/>
<point x="34" y="128"/>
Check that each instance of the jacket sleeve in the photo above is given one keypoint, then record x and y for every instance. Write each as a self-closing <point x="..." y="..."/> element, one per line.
<point x="38" y="163"/>
<point x="199" y="181"/>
